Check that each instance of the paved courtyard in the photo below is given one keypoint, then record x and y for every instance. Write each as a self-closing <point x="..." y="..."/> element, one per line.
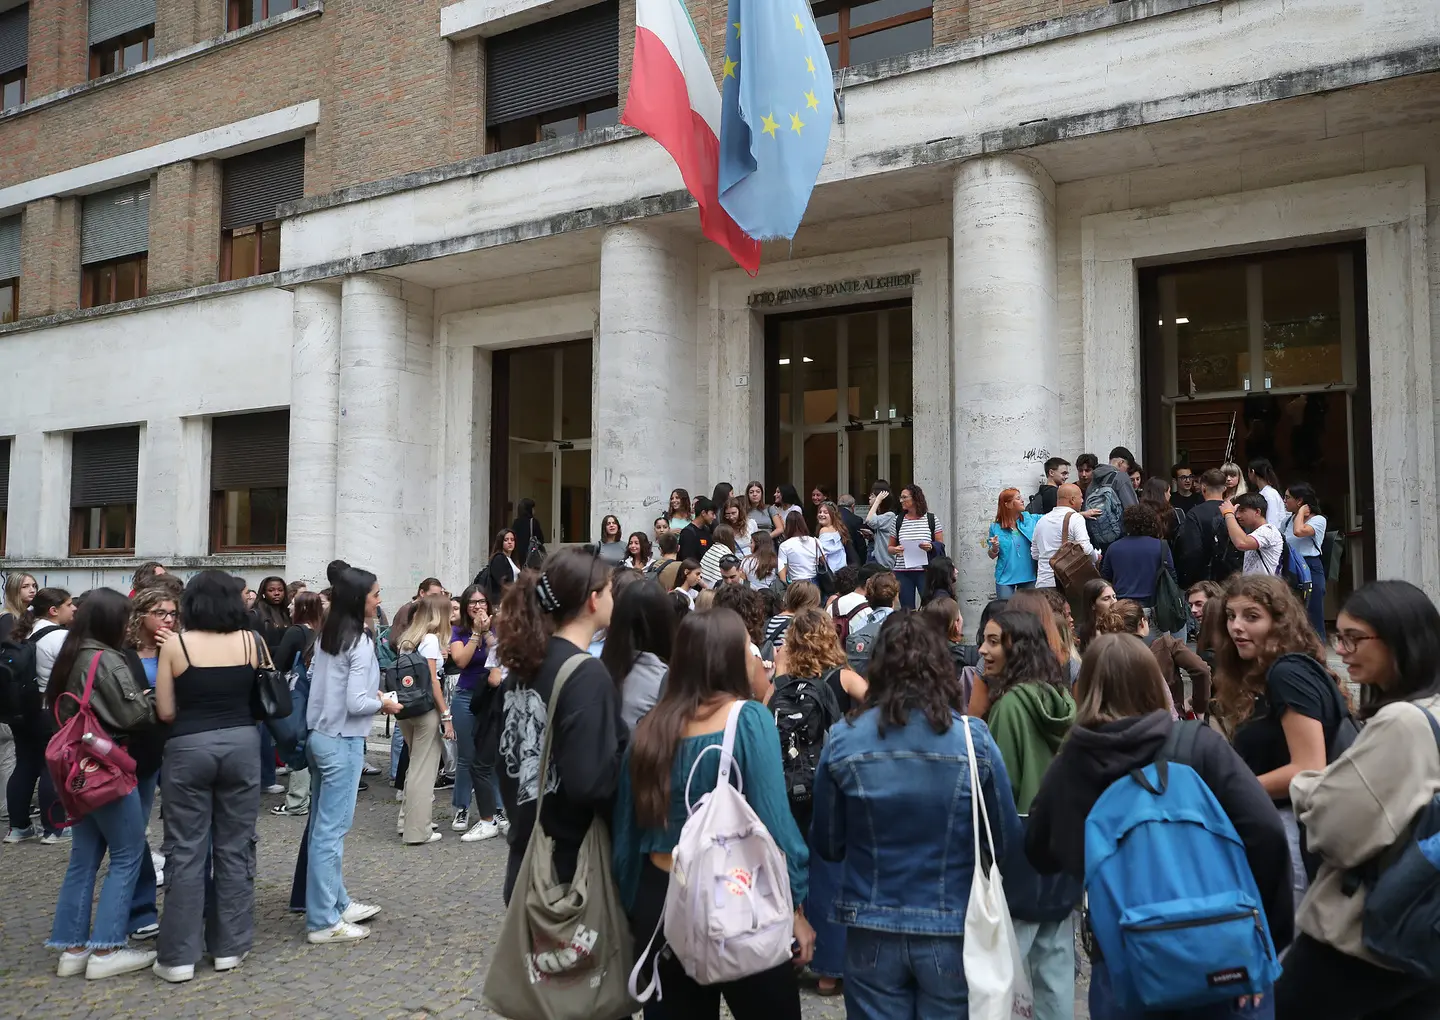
<point x="426" y="957"/>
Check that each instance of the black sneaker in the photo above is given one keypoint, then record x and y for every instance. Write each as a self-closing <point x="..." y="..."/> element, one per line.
<point x="363" y="786"/>
<point x="444" y="782"/>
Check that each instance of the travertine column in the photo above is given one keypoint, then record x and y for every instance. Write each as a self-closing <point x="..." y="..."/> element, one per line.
<point x="647" y="411"/>
<point x="1007" y="404"/>
<point x="314" y="431"/>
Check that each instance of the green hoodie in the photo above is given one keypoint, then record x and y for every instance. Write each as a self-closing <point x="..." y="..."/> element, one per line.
<point x="1028" y="723"/>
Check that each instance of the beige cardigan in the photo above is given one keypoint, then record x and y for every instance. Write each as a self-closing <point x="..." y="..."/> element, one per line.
<point x="1362" y="804"/>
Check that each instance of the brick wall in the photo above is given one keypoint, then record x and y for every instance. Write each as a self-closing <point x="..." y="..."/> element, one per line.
<point x="59" y="47"/>
<point x="993" y="15"/>
<point x="184" y="226"/>
<point x="50" y="256"/>
<point x="179" y="23"/>
<point x="627" y="47"/>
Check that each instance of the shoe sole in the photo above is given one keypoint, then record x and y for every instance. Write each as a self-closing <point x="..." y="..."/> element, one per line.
<point x="178" y="980"/>
<point x="334" y="939"/>
<point x="367" y="915"/>
<point x="467" y="838"/>
<point x="116" y="973"/>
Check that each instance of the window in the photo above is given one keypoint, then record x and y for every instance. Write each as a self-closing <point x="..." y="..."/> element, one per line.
<point x="122" y="35"/>
<point x="9" y="269"/>
<point x="4" y="491"/>
<point x="855" y="33"/>
<point x="253" y="186"/>
<point x="248" y="12"/>
<point x="555" y="78"/>
<point x="14" y="55"/>
<point x="249" y="476"/>
<point x="103" y="468"/>
<point x="114" y="240"/>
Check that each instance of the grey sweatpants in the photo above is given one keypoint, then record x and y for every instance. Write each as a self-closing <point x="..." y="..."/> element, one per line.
<point x="211" y="785"/>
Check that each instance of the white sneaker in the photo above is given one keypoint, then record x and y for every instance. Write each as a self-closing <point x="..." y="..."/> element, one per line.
<point x="175" y="975"/>
<point x="275" y="788"/>
<point x="280" y="770"/>
<point x="358" y="913"/>
<point x="434" y="837"/>
<point x="51" y="838"/>
<point x="122" y="961"/>
<point x="342" y="931"/>
<point x="72" y="964"/>
<point x="399" y="797"/>
<point x="462" y="820"/>
<point x="19" y="835"/>
<point x="224" y="963"/>
<point x="160" y="878"/>
<point x="503" y="822"/>
<point x="481" y="830"/>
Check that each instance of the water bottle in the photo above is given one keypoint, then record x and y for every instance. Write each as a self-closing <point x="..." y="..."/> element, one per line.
<point x="100" y="745"/>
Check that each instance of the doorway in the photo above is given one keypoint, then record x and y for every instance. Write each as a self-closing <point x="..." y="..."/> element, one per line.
<point x="1267" y="355"/>
<point x="540" y="429"/>
<point x="812" y="436"/>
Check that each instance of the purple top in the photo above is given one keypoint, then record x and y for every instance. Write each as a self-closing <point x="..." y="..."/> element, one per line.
<point x="473" y="674"/>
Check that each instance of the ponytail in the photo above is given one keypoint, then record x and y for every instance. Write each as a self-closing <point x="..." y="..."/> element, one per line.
<point x="46" y="599"/>
<point x="540" y="602"/>
<point x="1124" y="617"/>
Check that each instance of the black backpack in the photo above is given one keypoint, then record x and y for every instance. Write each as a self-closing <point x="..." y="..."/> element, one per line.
<point x="1224" y="558"/>
<point x="19" y="682"/>
<point x="804" y="709"/>
<point x="409" y="679"/>
<point x="1036" y="505"/>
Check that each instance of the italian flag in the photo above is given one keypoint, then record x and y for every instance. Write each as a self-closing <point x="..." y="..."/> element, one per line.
<point x="674" y="100"/>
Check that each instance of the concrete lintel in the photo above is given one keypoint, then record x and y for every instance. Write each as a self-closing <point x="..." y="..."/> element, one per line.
<point x="174" y="297"/>
<point x="213" y="143"/>
<point x="470" y="18"/>
<point x="567" y="317"/>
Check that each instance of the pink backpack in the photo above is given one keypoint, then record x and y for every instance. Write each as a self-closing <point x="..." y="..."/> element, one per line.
<point x="88" y="768"/>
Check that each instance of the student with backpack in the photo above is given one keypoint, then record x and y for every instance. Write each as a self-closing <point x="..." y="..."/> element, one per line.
<point x="296" y="652"/>
<point x="798" y="596"/>
<point x="882" y="595"/>
<point x="1304" y="532"/>
<point x="1030" y="711"/>
<point x="893" y="806"/>
<point x="671" y="775"/>
<point x="919" y="535"/>
<point x="27" y="657"/>
<point x="1275" y="698"/>
<point x="1367" y="945"/>
<point x="1121" y="728"/>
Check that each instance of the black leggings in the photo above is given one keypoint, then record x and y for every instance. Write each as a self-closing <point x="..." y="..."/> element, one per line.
<point x="771" y="995"/>
<point x="1319" y="981"/>
<point x="30" y="768"/>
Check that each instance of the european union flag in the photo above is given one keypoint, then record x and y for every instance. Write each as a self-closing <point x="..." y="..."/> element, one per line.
<point x="776" y="111"/>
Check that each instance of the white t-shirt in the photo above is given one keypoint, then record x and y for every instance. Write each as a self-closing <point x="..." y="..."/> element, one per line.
<point x="846" y="604"/>
<point x="429" y="647"/>
<point x="47" y="647"/>
<point x="783" y="512"/>
<point x="1266" y="559"/>
<point x="1047" y="540"/>
<point x="798" y="556"/>
<point x="1274" y="507"/>
<point x="834" y="548"/>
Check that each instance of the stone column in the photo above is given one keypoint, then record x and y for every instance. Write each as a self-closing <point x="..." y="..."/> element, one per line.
<point x="1007" y="403"/>
<point x="370" y="460"/>
<point x="647" y="410"/>
<point x="314" y="430"/>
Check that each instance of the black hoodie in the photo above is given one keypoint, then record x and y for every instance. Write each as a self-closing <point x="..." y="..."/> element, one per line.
<point x="1092" y="758"/>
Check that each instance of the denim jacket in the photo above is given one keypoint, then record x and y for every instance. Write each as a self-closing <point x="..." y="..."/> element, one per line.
<point x="896" y="810"/>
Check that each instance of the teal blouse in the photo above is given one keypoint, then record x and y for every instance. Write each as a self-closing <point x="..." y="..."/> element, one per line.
<point x="757" y="756"/>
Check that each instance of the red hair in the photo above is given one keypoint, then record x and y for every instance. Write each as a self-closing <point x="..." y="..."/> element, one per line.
<point x="1007" y="516"/>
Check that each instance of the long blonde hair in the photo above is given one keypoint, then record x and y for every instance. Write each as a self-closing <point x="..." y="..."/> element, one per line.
<point x="1232" y="470"/>
<point x="431" y="616"/>
<point x="14" y="581"/>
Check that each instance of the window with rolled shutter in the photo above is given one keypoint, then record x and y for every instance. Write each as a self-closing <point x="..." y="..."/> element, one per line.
<point x="103" y="467"/>
<point x="115" y="224"/>
<point x="257" y="182"/>
<point x="565" y="61"/>
<point x="4" y="491"/>
<point x="14" y="38"/>
<point x="249" y="477"/>
<point x="111" y="18"/>
<point x="10" y="248"/>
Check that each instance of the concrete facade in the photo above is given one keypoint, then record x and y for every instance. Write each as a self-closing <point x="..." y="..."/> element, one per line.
<point x="1010" y="184"/>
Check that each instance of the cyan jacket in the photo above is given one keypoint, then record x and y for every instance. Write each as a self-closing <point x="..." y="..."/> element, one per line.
<point x="896" y="810"/>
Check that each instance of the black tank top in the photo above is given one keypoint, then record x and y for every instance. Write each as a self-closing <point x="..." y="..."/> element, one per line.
<point x="212" y="697"/>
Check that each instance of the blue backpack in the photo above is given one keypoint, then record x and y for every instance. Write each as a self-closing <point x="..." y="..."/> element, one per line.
<point x="1173" y="905"/>
<point x="1402" y="904"/>
<point x="1106" y="529"/>
<point x="289" y="732"/>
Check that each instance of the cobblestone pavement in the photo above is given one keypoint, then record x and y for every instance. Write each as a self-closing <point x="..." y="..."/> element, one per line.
<point x="426" y="957"/>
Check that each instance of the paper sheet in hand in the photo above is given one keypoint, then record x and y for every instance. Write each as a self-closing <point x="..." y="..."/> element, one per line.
<point x="914" y="555"/>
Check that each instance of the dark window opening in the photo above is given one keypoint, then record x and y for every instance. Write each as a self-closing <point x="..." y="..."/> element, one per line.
<point x="103" y="469"/>
<point x="568" y="120"/>
<point x="123" y="52"/>
<point x="249" y="481"/>
<point x="12" y="88"/>
<point x="856" y="33"/>
<point x="105" y="283"/>
<point x="248" y="12"/>
<point x="250" y="251"/>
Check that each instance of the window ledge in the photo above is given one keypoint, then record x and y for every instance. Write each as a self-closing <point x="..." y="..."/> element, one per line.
<point x="171" y="297"/>
<point x="173" y="563"/>
<point x="313" y="10"/>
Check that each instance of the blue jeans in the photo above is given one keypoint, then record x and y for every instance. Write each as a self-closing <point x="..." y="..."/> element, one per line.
<point x="1048" y="949"/>
<point x="1315" y="604"/>
<point x="119" y="829"/>
<point x="825" y="880"/>
<point x="335" y="764"/>
<point x="142" y="903"/>
<point x="1104" y="1007"/>
<point x="397" y="744"/>
<point x="904" y="977"/>
<point x="1007" y="591"/>
<point x="471" y="774"/>
<point x="912" y="588"/>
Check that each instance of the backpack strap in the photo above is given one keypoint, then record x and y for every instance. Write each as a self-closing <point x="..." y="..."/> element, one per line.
<point x="930" y="519"/>
<point x="727" y="757"/>
<point x="183" y="650"/>
<point x="567" y="670"/>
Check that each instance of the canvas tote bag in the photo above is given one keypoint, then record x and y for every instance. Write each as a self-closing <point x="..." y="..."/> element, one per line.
<point x="999" y="987"/>
<point x="565" y="950"/>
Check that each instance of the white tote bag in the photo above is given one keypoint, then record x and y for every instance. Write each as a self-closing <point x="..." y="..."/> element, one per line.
<point x="994" y="970"/>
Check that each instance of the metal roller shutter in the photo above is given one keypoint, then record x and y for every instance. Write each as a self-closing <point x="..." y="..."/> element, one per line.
<point x="250" y="451"/>
<point x="114" y="224"/>
<point x="257" y="182"/>
<point x="9" y="247"/>
<point x="560" y="62"/>
<point x="109" y="18"/>
<point x="4" y="474"/>
<point x="103" y="466"/>
<point x="14" y="38"/>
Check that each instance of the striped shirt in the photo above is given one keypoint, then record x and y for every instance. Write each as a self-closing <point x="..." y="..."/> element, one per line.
<point x="915" y="529"/>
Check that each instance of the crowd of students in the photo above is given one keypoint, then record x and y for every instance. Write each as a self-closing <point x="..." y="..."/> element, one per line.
<point x="887" y="758"/>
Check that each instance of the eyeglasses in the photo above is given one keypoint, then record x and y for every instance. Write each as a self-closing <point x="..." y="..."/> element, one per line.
<point x="165" y="614"/>
<point x="477" y="602"/>
<point x="1349" y="642"/>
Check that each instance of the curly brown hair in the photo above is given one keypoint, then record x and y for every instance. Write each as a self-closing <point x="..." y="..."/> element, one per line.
<point x="1238" y="682"/>
<point x="811" y="645"/>
<point x="1124" y="617"/>
<point x="749" y="604"/>
<point x="1141" y="519"/>
<point x="911" y="670"/>
<point x="146" y="599"/>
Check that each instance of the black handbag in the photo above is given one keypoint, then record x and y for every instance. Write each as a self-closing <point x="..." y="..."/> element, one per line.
<point x="409" y="679"/>
<point x="824" y="576"/>
<point x="271" y="696"/>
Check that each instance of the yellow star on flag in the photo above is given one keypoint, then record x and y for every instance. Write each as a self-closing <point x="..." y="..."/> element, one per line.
<point x="769" y="125"/>
<point x="730" y="66"/>
<point x="811" y="101"/>
<point x="810" y="64"/>
<point x="798" y="27"/>
<point x="796" y="123"/>
<point x="737" y="30"/>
